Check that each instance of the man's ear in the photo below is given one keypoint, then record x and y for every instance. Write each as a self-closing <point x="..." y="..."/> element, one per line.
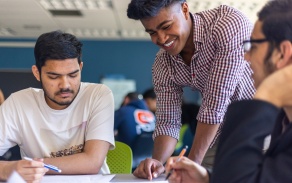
<point x="81" y="66"/>
<point x="185" y="10"/>
<point x="36" y="73"/>
<point x="286" y="54"/>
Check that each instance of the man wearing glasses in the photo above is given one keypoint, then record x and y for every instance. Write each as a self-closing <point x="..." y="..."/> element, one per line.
<point x="239" y="156"/>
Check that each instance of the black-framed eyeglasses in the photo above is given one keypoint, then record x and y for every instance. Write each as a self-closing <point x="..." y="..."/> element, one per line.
<point x="247" y="43"/>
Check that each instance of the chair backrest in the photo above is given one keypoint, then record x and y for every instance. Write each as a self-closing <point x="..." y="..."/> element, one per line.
<point x="119" y="160"/>
<point x="182" y="131"/>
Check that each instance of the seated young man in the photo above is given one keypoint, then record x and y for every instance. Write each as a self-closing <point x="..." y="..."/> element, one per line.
<point x="67" y="123"/>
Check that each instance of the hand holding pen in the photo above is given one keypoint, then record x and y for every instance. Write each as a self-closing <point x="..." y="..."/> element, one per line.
<point x="182" y="153"/>
<point x="185" y="170"/>
<point x="51" y="167"/>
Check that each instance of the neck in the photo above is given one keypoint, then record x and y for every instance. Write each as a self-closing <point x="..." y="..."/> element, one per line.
<point x="288" y="111"/>
<point x="189" y="48"/>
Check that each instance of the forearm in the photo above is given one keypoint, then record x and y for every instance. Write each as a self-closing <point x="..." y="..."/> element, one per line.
<point x="79" y="163"/>
<point x="5" y="169"/>
<point x="87" y="162"/>
<point x="204" y="136"/>
<point x="163" y="147"/>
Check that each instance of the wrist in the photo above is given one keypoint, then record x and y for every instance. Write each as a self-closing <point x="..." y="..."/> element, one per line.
<point x="6" y="170"/>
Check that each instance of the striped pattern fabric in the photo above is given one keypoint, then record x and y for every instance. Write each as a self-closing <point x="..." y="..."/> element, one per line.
<point x="218" y="70"/>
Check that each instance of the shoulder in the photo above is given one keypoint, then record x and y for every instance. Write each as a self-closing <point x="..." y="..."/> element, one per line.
<point x="22" y="98"/>
<point x="226" y="17"/>
<point x="94" y="88"/>
<point x="232" y="15"/>
<point x="94" y="94"/>
<point x="223" y="12"/>
<point x="226" y="26"/>
<point x="27" y="93"/>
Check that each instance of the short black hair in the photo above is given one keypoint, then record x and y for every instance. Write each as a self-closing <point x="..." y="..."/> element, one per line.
<point x="140" y="9"/>
<point x="276" y="16"/>
<point x="149" y="94"/>
<point x="133" y="96"/>
<point x="56" y="45"/>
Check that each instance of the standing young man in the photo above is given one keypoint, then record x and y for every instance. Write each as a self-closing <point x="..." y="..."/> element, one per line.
<point x="202" y="51"/>
<point x="239" y="157"/>
<point x="67" y="123"/>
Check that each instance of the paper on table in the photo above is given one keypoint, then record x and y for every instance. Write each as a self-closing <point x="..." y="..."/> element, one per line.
<point x="77" y="178"/>
<point x="15" y="177"/>
<point x="131" y="178"/>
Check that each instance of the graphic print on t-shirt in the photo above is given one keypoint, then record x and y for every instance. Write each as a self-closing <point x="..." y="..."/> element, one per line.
<point x="145" y="121"/>
<point x="65" y="140"/>
<point x="66" y="152"/>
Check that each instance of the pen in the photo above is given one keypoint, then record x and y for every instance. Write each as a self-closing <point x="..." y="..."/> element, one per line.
<point x="179" y="157"/>
<point x="51" y="167"/>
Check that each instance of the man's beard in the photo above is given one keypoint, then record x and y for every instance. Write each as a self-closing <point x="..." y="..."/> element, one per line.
<point x="62" y="103"/>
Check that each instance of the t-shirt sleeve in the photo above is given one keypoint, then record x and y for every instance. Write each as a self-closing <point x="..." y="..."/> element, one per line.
<point x="9" y="135"/>
<point x="101" y="120"/>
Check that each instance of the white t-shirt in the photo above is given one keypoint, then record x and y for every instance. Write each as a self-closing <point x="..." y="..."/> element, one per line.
<point x="40" y="131"/>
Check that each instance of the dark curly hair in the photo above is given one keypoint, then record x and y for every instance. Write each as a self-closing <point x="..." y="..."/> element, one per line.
<point x="56" y="45"/>
<point x="140" y="9"/>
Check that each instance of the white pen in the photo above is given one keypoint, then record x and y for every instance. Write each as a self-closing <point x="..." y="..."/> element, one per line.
<point x="51" y="167"/>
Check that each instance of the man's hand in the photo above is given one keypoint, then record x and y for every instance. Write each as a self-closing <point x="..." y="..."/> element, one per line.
<point x="149" y="169"/>
<point x="186" y="171"/>
<point x="30" y="171"/>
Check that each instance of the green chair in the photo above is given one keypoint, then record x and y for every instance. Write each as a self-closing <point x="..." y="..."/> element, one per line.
<point x="180" y="143"/>
<point x="120" y="159"/>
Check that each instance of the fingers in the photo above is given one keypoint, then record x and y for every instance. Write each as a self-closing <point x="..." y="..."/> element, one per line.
<point x="170" y="163"/>
<point x="31" y="171"/>
<point x="157" y="169"/>
<point x="140" y="172"/>
<point x="175" y="177"/>
<point x="149" y="169"/>
<point x="186" y="170"/>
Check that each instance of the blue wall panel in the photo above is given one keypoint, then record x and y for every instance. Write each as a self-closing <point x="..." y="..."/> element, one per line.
<point x="133" y="59"/>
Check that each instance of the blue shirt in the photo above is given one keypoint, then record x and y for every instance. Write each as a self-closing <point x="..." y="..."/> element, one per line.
<point x="132" y="120"/>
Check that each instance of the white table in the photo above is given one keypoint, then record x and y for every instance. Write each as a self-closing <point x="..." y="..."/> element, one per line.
<point x="121" y="178"/>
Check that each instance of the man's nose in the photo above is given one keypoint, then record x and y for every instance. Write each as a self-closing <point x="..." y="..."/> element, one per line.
<point x="64" y="83"/>
<point x="162" y="37"/>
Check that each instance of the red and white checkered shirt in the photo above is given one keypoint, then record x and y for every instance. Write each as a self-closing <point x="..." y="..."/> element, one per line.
<point x="218" y="70"/>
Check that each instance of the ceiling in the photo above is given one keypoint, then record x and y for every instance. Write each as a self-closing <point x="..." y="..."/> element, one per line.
<point x="97" y="19"/>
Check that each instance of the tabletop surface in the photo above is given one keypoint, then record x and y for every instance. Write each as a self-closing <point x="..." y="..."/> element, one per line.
<point x="122" y="178"/>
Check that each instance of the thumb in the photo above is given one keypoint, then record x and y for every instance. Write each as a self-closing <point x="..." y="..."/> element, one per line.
<point x="158" y="170"/>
